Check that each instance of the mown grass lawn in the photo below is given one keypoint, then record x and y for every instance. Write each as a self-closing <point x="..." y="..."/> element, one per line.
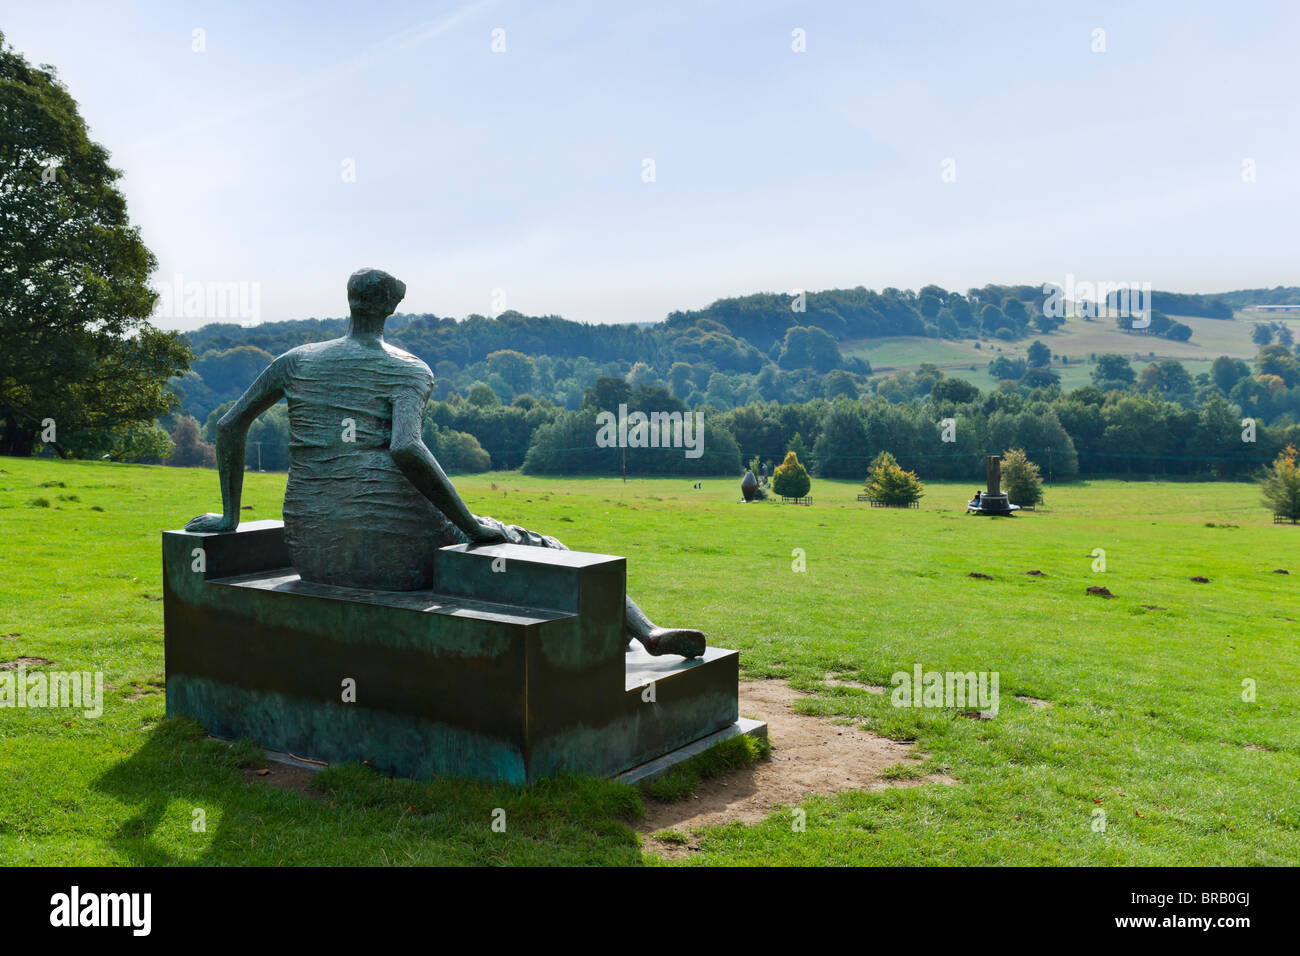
<point x="1147" y="722"/>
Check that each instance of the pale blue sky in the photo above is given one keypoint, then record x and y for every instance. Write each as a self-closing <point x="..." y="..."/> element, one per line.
<point x="775" y="170"/>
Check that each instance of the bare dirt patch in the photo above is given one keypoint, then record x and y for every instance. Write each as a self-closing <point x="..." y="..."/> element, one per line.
<point x="283" y="776"/>
<point x="980" y="576"/>
<point x="1036" y="573"/>
<point x="1200" y="579"/>
<point x="1100" y="591"/>
<point x="840" y="682"/>
<point x="18" y="662"/>
<point x="1035" y="702"/>
<point x="810" y="755"/>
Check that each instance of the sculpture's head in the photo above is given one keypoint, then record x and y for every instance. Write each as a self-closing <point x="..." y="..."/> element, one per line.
<point x="372" y="292"/>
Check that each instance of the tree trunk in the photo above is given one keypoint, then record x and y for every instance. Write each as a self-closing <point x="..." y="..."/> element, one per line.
<point x="17" y="445"/>
<point x="16" y="442"/>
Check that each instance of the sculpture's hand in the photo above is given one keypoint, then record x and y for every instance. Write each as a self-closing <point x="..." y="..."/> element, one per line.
<point x="490" y="532"/>
<point x="209" y="523"/>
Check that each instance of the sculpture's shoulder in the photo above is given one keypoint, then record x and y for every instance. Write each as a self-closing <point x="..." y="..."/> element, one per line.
<point x="409" y="368"/>
<point x="307" y="352"/>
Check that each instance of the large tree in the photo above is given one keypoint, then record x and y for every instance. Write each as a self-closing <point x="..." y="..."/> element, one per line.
<point x="1278" y="360"/>
<point x="1227" y="372"/>
<point x="809" y="347"/>
<point x="1040" y="356"/>
<point x="1113" y="372"/>
<point x="80" y="365"/>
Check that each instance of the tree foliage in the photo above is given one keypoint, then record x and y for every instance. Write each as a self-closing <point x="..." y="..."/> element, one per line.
<point x="144" y="444"/>
<point x="1113" y="371"/>
<point x="1021" y="479"/>
<point x="809" y="347"/>
<point x="457" y="452"/>
<point x="791" y="479"/>
<point x="1281" y="484"/>
<point x="74" y="297"/>
<point x="190" y="450"/>
<point x="889" y="484"/>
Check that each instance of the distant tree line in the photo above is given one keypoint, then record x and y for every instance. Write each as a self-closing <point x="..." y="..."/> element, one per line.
<point x="762" y="347"/>
<point x="1159" y="421"/>
<point x="1206" y="306"/>
<point x="1244" y="298"/>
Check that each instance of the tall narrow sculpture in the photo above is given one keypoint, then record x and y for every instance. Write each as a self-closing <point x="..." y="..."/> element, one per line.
<point x="993" y="501"/>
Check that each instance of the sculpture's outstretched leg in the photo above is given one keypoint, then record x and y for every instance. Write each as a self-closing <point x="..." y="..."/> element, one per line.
<point x="684" y="641"/>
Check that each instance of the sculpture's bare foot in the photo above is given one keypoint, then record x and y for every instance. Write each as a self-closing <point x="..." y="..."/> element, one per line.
<point x="683" y="641"/>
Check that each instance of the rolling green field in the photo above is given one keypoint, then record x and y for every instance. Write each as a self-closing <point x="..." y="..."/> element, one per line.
<point x="1147" y="722"/>
<point x="1077" y="339"/>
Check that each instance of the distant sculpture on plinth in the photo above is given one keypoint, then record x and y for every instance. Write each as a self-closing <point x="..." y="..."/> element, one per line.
<point x="993" y="501"/>
<point x="367" y="505"/>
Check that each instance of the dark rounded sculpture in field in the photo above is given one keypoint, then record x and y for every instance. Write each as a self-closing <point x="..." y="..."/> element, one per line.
<point x="749" y="486"/>
<point x="367" y="505"/>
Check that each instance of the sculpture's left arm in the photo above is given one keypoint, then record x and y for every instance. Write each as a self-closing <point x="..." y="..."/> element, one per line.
<point x="232" y="434"/>
<point x="419" y="466"/>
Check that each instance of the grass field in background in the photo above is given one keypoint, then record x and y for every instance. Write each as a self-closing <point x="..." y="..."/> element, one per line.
<point x="1077" y="340"/>
<point x="1147" y="721"/>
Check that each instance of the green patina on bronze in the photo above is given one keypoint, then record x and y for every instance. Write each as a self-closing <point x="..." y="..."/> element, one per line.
<point x="367" y="505"/>
<point x="444" y="683"/>
<point x="383" y="621"/>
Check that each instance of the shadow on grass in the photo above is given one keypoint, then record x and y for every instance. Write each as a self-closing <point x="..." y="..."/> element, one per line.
<point x="363" y="818"/>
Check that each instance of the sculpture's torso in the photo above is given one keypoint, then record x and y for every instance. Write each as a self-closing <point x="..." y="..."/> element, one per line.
<point x="351" y="518"/>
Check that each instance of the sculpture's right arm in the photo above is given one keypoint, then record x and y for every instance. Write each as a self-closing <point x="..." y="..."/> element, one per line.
<point x="232" y="434"/>
<point x="413" y="457"/>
